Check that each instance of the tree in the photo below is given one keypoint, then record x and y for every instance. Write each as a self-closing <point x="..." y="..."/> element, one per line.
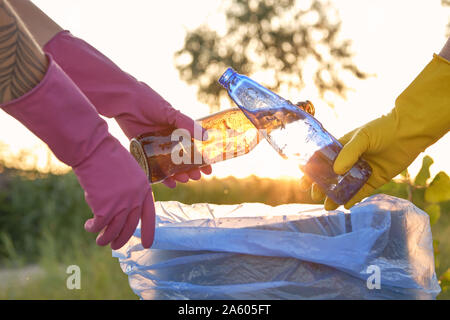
<point x="282" y="36"/>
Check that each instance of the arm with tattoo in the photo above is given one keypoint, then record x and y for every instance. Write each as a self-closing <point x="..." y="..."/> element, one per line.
<point x="22" y="62"/>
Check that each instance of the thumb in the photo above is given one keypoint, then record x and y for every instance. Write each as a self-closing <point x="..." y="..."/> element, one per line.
<point x="347" y="137"/>
<point x="351" y="152"/>
<point x="182" y="121"/>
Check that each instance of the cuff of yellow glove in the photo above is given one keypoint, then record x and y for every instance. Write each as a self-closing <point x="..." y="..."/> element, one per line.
<point x="436" y="56"/>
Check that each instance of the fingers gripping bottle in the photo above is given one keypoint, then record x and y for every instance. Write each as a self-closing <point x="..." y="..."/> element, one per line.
<point x="296" y="135"/>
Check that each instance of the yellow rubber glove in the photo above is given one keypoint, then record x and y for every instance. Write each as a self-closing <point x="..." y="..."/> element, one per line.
<point x="389" y="144"/>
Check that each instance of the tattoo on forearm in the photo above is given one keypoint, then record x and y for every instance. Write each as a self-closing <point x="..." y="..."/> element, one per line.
<point x="22" y="63"/>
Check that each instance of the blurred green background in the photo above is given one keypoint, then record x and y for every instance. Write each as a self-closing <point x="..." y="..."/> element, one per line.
<point x="42" y="217"/>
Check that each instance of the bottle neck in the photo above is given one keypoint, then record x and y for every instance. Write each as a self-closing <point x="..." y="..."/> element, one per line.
<point x="227" y="77"/>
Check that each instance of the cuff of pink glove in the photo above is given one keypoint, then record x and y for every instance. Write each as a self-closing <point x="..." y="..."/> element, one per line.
<point x="58" y="34"/>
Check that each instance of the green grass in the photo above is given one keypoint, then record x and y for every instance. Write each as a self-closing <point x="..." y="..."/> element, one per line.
<point x="101" y="278"/>
<point x="441" y="234"/>
<point x="42" y="217"/>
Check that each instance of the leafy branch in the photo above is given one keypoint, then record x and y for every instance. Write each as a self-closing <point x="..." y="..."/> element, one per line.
<point x="280" y="37"/>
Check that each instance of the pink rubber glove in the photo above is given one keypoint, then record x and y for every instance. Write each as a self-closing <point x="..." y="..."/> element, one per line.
<point x="115" y="186"/>
<point x="136" y="107"/>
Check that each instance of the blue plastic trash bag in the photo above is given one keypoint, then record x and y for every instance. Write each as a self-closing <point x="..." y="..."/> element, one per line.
<point x="381" y="249"/>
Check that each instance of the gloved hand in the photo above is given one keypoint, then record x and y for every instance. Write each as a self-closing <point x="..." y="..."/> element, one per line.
<point x="389" y="144"/>
<point x="136" y="107"/>
<point x="115" y="186"/>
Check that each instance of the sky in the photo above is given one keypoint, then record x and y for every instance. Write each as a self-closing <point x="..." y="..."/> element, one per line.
<point x="392" y="39"/>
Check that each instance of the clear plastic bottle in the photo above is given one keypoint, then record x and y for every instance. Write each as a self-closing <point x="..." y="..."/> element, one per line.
<point x="296" y="135"/>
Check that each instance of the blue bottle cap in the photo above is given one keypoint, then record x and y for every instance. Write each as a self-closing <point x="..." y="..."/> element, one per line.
<point x="226" y="76"/>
